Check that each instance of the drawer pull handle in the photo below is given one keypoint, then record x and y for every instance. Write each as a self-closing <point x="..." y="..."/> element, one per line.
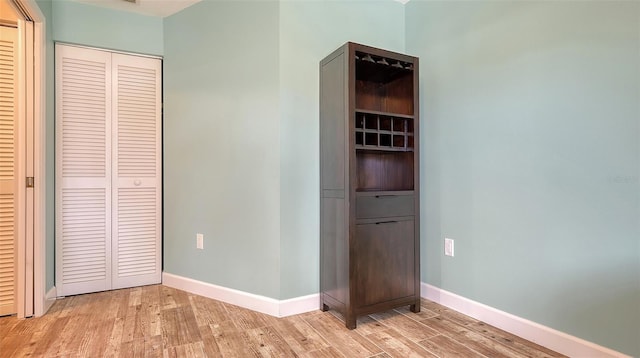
<point x="385" y="196"/>
<point x="386" y="222"/>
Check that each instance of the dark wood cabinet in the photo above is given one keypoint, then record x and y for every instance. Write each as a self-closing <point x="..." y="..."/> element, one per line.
<point x="369" y="197"/>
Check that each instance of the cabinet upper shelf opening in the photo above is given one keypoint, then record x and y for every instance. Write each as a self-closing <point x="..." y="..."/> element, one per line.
<point x="380" y="69"/>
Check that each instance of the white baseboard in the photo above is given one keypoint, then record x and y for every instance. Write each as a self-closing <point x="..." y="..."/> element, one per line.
<point x="243" y="299"/>
<point x="299" y="305"/>
<point x="49" y="299"/>
<point x="534" y="332"/>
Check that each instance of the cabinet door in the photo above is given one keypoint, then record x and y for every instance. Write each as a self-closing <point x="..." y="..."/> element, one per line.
<point x="384" y="261"/>
<point x="136" y="171"/>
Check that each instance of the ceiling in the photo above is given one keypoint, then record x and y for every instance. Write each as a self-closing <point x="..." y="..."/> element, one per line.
<point x="160" y="8"/>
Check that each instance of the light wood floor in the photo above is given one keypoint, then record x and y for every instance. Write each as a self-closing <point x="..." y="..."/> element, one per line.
<point x="156" y="321"/>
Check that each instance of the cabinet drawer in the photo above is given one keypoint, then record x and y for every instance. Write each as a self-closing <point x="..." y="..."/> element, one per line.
<point x="384" y="205"/>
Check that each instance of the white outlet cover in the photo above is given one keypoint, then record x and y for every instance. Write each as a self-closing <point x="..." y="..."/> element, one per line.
<point x="448" y="247"/>
<point x="200" y="241"/>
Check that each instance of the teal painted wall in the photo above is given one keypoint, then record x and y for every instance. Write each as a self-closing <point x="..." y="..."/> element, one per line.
<point x="221" y="145"/>
<point x="309" y="31"/>
<point x="241" y="115"/>
<point x="531" y="159"/>
<point x="46" y="8"/>
<point x="95" y="26"/>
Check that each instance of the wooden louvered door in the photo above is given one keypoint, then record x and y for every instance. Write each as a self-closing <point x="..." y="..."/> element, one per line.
<point x="108" y="170"/>
<point x="136" y="171"/>
<point x="83" y="170"/>
<point x="8" y="169"/>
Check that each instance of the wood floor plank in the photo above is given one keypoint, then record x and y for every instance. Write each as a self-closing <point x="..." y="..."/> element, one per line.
<point x="514" y="342"/>
<point x="172" y="297"/>
<point x="129" y="329"/>
<point x="72" y="337"/>
<point x="153" y="347"/>
<point x="444" y="346"/>
<point x="410" y="328"/>
<point x="28" y="349"/>
<point x="22" y="326"/>
<point x="134" y="348"/>
<point x="329" y="352"/>
<point x="50" y="338"/>
<point x="167" y="299"/>
<point x="208" y="339"/>
<point x="300" y="336"/>
<point x="520" y="345"/>
<point x="115" y="338"/>
<point x="179" y="327"/>
<point x="80" y="340"/>
<point x="155" y="321"/>
<point x="395" y="344"/>
<point x="444" y="326"/>
<point x="135" y="296"/>
<point x="192" y="350"/>
<point x="381" y="355"/>
<point x="231" y="342"/>
<point x="123" y="304"/>
<point x="97" y="338"/>
<point x="471" y="339"/>
<point x="423" y="314"/>
<point x="247" y="319"/>
<point x="10" y="344"/>
<point x="208" y="311"/>
<point x="348" y="342"/>
<point x="150" y="302"/>
<point x="268" y="342"/>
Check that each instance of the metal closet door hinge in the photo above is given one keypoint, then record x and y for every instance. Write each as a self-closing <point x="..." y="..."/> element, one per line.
<point x="29" y="182"/>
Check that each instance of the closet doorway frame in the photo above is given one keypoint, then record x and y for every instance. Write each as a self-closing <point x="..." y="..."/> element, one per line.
<point x="31" y="274"/>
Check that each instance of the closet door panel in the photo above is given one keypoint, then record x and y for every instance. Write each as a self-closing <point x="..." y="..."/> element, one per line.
<point x="83" y="170"/>
<point x="136" y="243"/>
<point x="8" y="169"/>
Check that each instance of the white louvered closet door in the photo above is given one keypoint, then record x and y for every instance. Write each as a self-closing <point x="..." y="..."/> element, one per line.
<point x="136" y="171"/>
<point x="8" y="184"/>
<point x="108" y="170"/>
<point x="83" y="170"/>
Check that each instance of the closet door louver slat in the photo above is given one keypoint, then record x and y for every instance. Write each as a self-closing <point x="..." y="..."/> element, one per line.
<point x="83" y="174"/>
<point x="136" y="174"/>
<point x="8" y="142"/>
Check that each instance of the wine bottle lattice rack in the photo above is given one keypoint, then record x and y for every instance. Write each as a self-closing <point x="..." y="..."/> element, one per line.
<point x="383" y="131"/>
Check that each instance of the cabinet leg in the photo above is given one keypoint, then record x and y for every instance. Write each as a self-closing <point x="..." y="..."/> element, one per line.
<point x="350" y="321"/>
<point x="415" y="308"/>
<point x="324" y="308"/>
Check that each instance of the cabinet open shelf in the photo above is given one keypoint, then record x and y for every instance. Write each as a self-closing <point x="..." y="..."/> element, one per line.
<point x="380" y="69"/>
<point x="378" y="170"/>
<point x="376" y="130"/>
<point x="384" y="87"/>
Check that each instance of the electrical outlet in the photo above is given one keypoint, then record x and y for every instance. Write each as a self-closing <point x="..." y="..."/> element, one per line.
<point x="199" y="241"/>
<point x="448" y="247"/>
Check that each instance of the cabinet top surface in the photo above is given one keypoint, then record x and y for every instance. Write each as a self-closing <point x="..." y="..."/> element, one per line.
<point x="352" y="47"/>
